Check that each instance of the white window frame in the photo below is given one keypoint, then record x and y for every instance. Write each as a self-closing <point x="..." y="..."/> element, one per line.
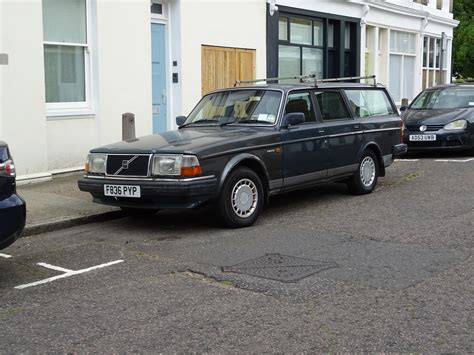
<point x="164" y="15"/>
<point x="437" y="68"/>
<point x="82" y="108"/>
<point x="403" y="55"/>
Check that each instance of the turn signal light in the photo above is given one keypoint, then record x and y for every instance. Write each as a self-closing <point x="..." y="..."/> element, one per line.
<point x="86" y="168"/>
<point x="191" y="171"/>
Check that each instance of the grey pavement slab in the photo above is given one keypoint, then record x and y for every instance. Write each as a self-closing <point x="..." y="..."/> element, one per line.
<point x="58" y="204"/>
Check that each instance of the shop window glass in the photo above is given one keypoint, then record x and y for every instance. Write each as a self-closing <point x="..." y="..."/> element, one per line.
<point x="289" y="59"/>
<point x="313" y="62"/>
<point x="300" y="31"/>
<point x="283" y="29"/>
<point x="330" y="35"/>
<point x="395" y="76"/>
<point x="347" y="37"/>
<point x="318" y="33"/>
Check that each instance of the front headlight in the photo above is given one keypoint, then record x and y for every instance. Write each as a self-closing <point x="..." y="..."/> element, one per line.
<point x="176" y="165"/>
<point x="96" y="163"/>
<point x="459" y="124"/>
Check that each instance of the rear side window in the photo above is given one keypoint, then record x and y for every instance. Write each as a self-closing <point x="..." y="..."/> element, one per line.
<point x="3" y="154"/>
<point x="301" y="102"/>
<point x="369" y="103"/>
<point x="332" y="105"/>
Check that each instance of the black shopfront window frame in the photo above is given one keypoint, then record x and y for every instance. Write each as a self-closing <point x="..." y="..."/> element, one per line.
<point x="299" y="45"/>
<point x="338" y="51"/>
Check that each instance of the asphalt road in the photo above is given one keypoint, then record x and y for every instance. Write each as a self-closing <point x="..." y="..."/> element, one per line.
<point x="390" y="271"/>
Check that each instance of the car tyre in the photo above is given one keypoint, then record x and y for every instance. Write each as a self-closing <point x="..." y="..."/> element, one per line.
<point x="241" y="199"/>
<point x="136" y="212"/>
<point x="365" y="179"/>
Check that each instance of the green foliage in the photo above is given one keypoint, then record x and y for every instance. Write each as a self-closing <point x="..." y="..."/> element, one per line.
<point x="463" y="46"/>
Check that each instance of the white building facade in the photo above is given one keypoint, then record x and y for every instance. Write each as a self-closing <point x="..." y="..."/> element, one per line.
<point x="70" y="68"/>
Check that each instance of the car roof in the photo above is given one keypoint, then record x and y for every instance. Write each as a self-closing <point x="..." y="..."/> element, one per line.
<point x="448" y="86"/>
<point x="304" y="86"/>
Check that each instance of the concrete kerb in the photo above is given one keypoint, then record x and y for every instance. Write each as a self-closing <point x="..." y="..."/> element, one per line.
<point x="64" y="223"/>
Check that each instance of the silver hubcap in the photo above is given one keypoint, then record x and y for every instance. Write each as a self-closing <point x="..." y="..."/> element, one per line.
<point x="244" y="198"/>
<point x="367" y="171"/>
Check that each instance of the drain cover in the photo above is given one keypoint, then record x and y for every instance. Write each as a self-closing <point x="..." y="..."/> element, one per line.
<point x="280" y="267"/>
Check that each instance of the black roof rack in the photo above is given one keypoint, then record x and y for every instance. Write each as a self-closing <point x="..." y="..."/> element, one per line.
<point x="307" y="79"/>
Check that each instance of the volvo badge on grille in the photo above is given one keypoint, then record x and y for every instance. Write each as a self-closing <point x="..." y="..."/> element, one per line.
<point x="126" y="164"/>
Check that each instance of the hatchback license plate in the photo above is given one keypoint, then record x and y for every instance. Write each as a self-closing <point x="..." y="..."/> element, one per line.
<point x="422" y="137"/>
<point x="122" y="191"/>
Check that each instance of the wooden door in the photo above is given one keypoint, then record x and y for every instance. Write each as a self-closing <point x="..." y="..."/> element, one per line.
<point x="222" y="66"/>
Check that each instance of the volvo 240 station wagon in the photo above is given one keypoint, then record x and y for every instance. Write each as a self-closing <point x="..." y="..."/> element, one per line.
<point x="240" y="146"/>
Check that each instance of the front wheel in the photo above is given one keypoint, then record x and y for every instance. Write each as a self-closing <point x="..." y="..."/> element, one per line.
<point x="365" y="179"/>
<point x="241" y="199"/>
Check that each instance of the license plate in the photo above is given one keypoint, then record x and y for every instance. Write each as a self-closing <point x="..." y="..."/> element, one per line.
<point x="422" y="137"/>
<point x="122" y="191"/>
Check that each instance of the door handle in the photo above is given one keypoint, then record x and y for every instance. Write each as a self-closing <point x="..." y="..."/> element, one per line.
<point x="322" y="131"/>
<point x="356" y="126"/>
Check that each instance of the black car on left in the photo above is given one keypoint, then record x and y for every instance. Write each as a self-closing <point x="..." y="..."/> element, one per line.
<point x="441" y="118"/>
<point x="12" y="206"/>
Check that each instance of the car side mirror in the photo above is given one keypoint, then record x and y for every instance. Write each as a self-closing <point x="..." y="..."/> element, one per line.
<point x="293" y="119"/>
<point x="180" y="120"/>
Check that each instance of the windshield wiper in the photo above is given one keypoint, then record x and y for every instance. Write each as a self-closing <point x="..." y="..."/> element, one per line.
<point x="229" y="122"/>
<point x="254" y="121"/>
<point x="198" y="122"/>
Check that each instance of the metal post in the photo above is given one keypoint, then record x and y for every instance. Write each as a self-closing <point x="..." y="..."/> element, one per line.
<point x="128" y="126"/>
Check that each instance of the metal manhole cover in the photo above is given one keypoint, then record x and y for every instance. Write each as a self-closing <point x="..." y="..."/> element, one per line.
<point x="280" y="267"/>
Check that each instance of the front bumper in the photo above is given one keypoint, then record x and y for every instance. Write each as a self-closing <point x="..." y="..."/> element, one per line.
<point x="399" y="150"/>
<point x="12" y="219"/>
<point x="155" y="193"/>
<point x="445" y="140"/>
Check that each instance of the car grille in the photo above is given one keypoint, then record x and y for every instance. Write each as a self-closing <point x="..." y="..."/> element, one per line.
<point x="429" y="128"/>
<point x="128" y="165"/>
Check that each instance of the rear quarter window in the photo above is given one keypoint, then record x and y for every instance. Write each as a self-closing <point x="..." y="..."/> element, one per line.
<point x="3" y="154"/>
<point x="369" y="103"/>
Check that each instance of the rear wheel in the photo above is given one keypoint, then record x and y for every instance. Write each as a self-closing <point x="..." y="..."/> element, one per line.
<point x="241" y="199"/>
<point x="365" y="179"/>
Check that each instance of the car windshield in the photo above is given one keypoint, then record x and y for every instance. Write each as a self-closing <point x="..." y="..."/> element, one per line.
<point x="444" y="99"/>
<point x="237" y="106"/>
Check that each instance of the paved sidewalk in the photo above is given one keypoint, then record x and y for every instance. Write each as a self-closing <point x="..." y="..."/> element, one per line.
<point x="59" y="204"/>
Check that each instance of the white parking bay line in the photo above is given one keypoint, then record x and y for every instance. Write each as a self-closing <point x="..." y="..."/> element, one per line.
<point x="6" y="256"/>
<point x="52" y="267"/>
<point x="67" y="273"/>
<point x="455" y="160"/>
<point x="407" y="159"/>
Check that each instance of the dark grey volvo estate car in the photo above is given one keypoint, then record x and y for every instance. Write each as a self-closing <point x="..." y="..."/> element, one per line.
<point x="239" y="146"/>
